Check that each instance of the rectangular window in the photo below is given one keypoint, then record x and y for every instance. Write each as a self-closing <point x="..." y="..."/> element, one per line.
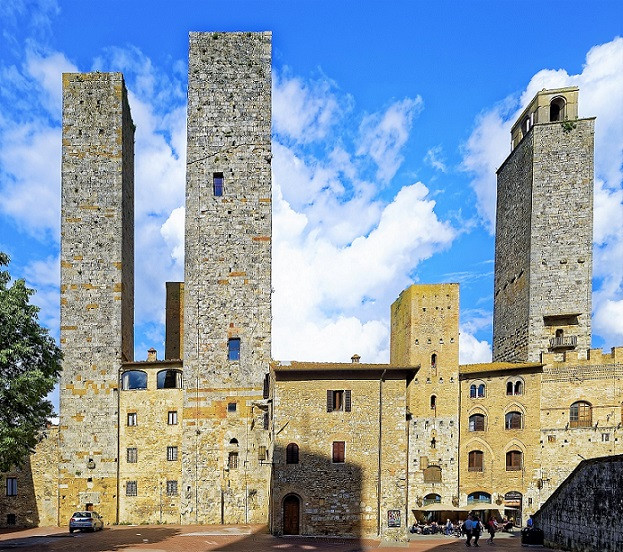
<point x="339" y="449"/>
<point x="171" y="454"/>
<point x="171" y="488"/>
<point x="172" y="417"/>
<point x="551" y="438"/>
<point x="131" y="488"/>
<point x="217" y="183"/>
<point x="605" y="437"/>
<point x="131" y="418"/>
<point x="11" y="486"/>
<point x="261" y="453"/>
<point x="339" y="400"/>
<point x="231" y="407"/>
<point x="232" y="461"/>
<point x="132" y="455"/>
<point x="233" y="348"/>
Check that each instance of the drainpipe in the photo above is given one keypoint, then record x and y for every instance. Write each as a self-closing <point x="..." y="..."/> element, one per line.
<point x="378" y="487"/>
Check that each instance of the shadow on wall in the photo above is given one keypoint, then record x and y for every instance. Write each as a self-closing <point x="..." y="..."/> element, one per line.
<point x="320" y="495"/>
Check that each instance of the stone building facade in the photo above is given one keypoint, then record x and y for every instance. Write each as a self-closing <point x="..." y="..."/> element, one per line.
<point x="217" y="432"/>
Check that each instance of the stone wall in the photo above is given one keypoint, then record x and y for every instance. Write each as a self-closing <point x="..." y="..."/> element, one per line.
<point x="425" y="333"/>
<point x="97" y="285"/>
<point x="36" y="501"/>
<point x="174" y="330"/>
<point x="227" y="288"/>
<point x="352" y="497"/>
<point x="585" y="512"/>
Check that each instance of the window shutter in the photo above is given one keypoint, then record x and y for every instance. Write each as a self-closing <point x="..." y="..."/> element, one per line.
<point x="329" y="401"/>
<point x="347" y="403"/>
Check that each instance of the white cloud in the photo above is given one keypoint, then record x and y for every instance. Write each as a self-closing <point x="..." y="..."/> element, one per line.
<point x="601" y="96"/>
<point x="434" y="157"/>
<point x="47" y="72"/>
<point x="382" y="135"/>
<point x="173" y="233"/>
<point x="473" y="351"/>
<point x="305" y="111"/>
<point x="44" y="277"/>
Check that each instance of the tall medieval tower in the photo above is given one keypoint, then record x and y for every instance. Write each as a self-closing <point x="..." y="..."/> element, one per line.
<point x="227" y="284"/>
<point x="543" y="246"/>
<point x="97" y="285"/>
<point x="425" y="333"/>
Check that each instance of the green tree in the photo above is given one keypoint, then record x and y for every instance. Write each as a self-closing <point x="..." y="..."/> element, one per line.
<point x="30" y="362"/>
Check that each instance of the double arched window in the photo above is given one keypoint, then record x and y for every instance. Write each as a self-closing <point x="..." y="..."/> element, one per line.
<point x="581" y="414"/>
<point x="514" y="386"/>
<point x="477" y="390"/>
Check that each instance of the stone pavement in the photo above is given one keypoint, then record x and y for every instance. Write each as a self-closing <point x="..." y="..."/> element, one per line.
<point x="204" y="538"/>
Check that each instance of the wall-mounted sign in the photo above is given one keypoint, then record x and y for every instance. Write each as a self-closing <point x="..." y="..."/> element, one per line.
<point x="393" y="518"/>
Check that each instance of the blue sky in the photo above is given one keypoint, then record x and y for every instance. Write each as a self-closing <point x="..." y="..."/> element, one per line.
<point x="389" y="120"/>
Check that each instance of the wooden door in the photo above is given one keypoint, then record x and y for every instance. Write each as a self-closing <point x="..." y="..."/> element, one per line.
<point x="291" y="508"/>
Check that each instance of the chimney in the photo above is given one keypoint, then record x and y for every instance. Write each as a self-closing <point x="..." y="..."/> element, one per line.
<point x="355" y="358"/>
<point x="152" y="355"/>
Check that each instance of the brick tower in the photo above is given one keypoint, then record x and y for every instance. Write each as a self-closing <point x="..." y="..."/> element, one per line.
<point x="425" y="332"/>
<point x="543" y="246"/>
<point x="227" y="283"/>
<point x="97" y="286"/>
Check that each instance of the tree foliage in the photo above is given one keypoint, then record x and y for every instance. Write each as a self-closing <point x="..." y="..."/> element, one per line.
<point x="30" y="363"/>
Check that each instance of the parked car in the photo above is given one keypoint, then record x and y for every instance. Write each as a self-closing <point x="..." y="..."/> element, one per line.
<point x="86" y="521"/>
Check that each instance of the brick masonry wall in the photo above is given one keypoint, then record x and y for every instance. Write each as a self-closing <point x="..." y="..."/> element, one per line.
<point x="97" y="285"/>
<point x="584" y="514"/>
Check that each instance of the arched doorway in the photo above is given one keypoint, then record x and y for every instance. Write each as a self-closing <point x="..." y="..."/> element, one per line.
<point x="291" y="515"/>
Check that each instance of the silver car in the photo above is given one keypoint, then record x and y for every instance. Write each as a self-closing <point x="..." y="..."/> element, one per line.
<point x="86" y="521"/>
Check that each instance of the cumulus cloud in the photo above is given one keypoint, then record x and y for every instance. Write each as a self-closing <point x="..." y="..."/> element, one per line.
<point x="601" y="96"/>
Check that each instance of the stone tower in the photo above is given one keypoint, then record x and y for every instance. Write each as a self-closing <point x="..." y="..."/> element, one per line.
<point x="425" y="332"/>
<point x="544" y="222"/>
<point x="97" y="286"/>
<point x="227" y="282"/>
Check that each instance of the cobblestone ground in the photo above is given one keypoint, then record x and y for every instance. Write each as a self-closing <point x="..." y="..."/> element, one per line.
<point x="242" y="538"/>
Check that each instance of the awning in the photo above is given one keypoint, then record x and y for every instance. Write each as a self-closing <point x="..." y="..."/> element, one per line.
<point x="439" y="507"/>
<point x="480" y="507"/>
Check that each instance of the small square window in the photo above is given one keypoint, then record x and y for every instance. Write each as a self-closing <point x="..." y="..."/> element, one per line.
<point x="132" y="455"/>
<point x="605" y="437"/>
<point x="131" y="488"/>
<point x="171" y="454"/>
<point x="11" y="519"/>
<point x="11" y="486"/>
<point x="231" y="407"/>
<point x="217" y="182"/>
<point x="171" y="488"/>
<point x="172" y="417"/>
<point x="551" y="438"/>
<point x="339" y="449"/>
<point x="339" y="400"/>
<point x="132" y="421"/>
<point x="233" y="348"/>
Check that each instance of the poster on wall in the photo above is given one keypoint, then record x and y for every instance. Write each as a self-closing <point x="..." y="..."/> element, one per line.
<point x="393" y="518"/>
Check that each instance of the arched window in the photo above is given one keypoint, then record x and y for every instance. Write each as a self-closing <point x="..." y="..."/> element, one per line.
<point x="581" y="414"/>
<point x="433" y="401"/>
<point x="513" y="420"/>
<point x="477" y="422"/>
<point x="432" y="498"/>
<point x="433" y="361"/>
<point x="514" y="386"/>
<point x="134" y="379"/>
<point x="557" y="109"/>
<point x="292" y="454"/>
<point x="513" y="460"/>
<point x="479" y="496"/>
<point x="509" y="387"/>
<point x="233" y="442"/>
<point x="472" y="391"/>
<point x="519" y="387"/>
<point x="477" y="390"/>
<point x="169" y="379"/>
<point x="481" y="390"/>
<point x="475" y="461"/>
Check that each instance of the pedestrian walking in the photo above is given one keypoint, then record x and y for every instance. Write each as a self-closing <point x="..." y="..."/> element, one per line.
<point x="492" y="527"/>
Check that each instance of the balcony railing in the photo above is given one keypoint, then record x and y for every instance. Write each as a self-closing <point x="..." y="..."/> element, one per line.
<point x="566" y="342"/>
